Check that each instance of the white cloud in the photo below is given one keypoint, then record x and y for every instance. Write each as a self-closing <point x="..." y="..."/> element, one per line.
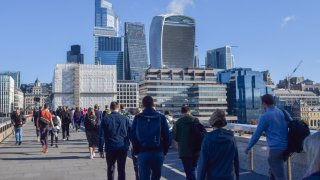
<point x="178" y="6"/>
<point x="286" y="20"/>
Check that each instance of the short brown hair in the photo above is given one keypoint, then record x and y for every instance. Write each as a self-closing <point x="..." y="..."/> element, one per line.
<point x="114" y="105"/>
<point x="267" y="99"/>
<point x="148" y="102"/>
<point x="185" y="109"/>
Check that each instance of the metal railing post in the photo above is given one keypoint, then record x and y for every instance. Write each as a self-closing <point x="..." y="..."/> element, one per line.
<point x="289" y="172"/>
<point x="251" y="160"/>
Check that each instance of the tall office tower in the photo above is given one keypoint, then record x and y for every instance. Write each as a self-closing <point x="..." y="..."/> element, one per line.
<point x="108" y="44"/>
<point x="220" y="58"/>
<point x="135" y="48"/>
<point x="172" y="41"/>
<point x="75" y="56"/>
<point x="6" y="95"/>
<point x="16" y="76"/>
<point x="196" y="57"/>
<point x="244" y="90"/>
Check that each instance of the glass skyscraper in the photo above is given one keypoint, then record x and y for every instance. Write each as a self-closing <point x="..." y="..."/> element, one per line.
<point x="172" y="41"/>
<point x="15" y="76"/>
<point x="244" y="90"/>
<point x="220" y="58"/>
<point x="135" y="47"/>
<point x="108" y="44"/>
<point x="75" y="56"/>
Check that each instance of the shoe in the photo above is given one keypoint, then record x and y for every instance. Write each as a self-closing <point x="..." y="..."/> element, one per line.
<point x="17" y="142"/>
<point x="44" y="149"/>
<point x="68" y="138"/>
<point x="94" y="154"/>
<point x="64" y="139"/>
<point x="38" y="139"/>
<point x="91" y="157"/>
<point x="51" y="145"/>
<point x="56" y="145"/>
<point x="20" y="143"/>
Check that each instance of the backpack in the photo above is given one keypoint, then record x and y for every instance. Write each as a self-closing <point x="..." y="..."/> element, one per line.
<point x="149" y="131"/>
<point x="90" y="123"/>
<point x="197" y="134"/>
<point x="55" y="121"/>
<point x="298" y="131"/>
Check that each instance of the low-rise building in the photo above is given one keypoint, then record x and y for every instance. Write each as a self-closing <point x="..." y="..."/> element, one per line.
<point x="308" y="114"/>
<point x="36" y="94"/>
<point x="289" y="97"/>
<point x="197" y="88"/>
<point x="128" y="94"/>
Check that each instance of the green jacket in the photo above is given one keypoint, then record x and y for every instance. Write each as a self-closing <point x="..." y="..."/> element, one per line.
<point x="181" y="134"/>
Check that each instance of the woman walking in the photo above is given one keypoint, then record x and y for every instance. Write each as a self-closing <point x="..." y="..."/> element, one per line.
<point x="91" y="128"/>
<point x="54" y="131"/>
<point x="219" y="154"/>
<point x="44" y="122"/>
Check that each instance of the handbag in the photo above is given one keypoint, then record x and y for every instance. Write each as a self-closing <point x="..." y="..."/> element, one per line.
<point x="44" y="121"/>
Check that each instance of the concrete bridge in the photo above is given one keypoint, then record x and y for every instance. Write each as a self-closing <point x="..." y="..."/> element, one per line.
<point x="71" y="160"/>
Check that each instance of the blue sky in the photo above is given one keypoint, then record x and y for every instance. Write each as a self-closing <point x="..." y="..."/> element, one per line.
<point x="273" y="35"/>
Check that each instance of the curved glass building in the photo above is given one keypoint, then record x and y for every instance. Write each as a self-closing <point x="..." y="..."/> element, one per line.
<point x="172" y="41"/>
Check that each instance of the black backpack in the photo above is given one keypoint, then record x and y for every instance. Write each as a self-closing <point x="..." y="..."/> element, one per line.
<point x="298" y="131"/>
<point x="196" y="136"/>
<point x="90" y="123"/>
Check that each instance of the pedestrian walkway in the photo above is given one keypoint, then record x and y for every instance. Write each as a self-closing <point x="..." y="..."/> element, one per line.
<point x="70" y="161"/>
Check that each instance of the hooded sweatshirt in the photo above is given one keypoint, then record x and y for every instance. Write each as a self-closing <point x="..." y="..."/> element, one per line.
<point x="219" y="156"/>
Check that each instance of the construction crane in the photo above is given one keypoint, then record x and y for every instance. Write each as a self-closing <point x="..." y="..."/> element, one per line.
<point x="290" y="76"/>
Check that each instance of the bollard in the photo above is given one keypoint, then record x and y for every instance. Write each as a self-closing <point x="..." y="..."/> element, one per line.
<point x="251" y="160"/>
<point x="289" y="173"/>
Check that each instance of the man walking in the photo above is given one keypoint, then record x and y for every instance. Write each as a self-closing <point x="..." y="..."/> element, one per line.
<point x="182" y="135"/>
<point x="275" y="126"/>
<point x="66" y="120"/>
<point x="18" y="120"/>
<point x="114" y="129"/>
<point x="150" y="140"/>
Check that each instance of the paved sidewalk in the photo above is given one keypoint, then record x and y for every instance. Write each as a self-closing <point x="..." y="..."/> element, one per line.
<point x="69" y="161"/>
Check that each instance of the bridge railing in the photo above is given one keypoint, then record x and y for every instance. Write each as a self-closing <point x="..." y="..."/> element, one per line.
<point x="6" y="128"/>
<point x="243" y="132"/>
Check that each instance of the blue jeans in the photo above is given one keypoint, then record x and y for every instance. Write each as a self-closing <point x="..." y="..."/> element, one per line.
<point x="276" y="164"/>
<point x="18" y="132"/>
<point x="150" y="163"/>
<point x="189" y="165"/>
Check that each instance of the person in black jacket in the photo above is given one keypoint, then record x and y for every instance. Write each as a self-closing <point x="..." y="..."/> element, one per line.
<point x="66" y="120"/>
<point x="219" y="153"/>
<point x="18" y="120"/>
<point x="91" y="128"/>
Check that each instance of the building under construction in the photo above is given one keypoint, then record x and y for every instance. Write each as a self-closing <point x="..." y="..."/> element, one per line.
<point x="84" y="85"/>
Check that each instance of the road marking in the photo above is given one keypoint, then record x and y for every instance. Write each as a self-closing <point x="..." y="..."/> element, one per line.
<point x="174" y="170"/>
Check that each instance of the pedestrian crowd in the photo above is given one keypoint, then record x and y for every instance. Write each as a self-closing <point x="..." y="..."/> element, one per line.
<point x="147" y="134"/>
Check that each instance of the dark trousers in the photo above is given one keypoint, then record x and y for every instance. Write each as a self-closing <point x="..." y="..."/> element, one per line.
<point x="135" y="164"/>
<point x="150" y="164"/>
<point x="189" y="165"/>
<point x="38" y="132"/>
<point x="44" y="135"/>
<point x="52" y="133"/>
<point x="276" y="165"/>
<point x="119" y="156"/>
<point x="65" y="130"/>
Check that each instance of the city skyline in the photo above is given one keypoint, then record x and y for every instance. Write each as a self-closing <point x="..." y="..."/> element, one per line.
<point x="288" y="35"/>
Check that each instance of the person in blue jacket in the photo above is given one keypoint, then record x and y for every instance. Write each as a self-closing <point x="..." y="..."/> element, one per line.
<point x="219" y="153"/>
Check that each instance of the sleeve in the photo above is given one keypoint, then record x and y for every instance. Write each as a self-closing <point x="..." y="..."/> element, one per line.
<point x="175" y="132"/>
<point x="165" y="135"/>
<point x="203" y="160"/>
<point x="257" y="134"/>
<point x="101" y="135"/>
<point x="236" y="161"/>
<point x="133" y="136"/>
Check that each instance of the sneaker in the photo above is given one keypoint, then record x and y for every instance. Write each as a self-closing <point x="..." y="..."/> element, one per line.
<point x="67" y="138"/>
<point x="38" y="139"/>
<point x="17" y="142"/>
<point x="91" y="156"/>
<point x="20" y="143"/>
<point x="51" y="145"/>
<point x="94" y="154"/>
<point x="56" y="145"/>
<point x="64" y="139"/>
